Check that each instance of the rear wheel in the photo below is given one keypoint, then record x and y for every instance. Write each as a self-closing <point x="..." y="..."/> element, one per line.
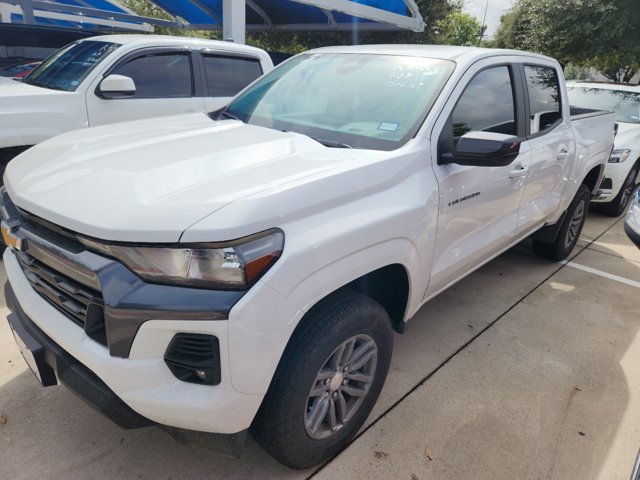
<point x="328" y="380"/>
<point x="570" y="229"/>
<point x="618" y="205"/>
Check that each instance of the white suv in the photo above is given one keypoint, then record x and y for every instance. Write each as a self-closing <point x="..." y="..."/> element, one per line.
<point x="622" y="170"/>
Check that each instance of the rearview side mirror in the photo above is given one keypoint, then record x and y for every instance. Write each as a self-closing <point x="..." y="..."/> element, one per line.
<point x="483" y="149"/>
<point x="115" y="86"/>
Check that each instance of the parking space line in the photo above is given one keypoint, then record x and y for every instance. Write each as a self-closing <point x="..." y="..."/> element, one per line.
<point x="600" y="273"/>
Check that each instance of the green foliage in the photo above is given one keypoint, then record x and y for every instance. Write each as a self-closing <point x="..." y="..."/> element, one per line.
<point x="459" y="28"/>
<point x="576" y="72"/>
<point x="145" y="8"/>
<point x="601" y="33"/>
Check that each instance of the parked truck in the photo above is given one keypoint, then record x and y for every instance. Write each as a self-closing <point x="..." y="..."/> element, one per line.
<point x="623" y="168"/>
<point x="116" y="78"/>
<point x="247" y="269"/>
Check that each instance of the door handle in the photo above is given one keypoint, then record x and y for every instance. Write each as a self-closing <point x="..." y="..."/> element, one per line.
<point x="562" y="155"/>
<point x="519" y="172"/>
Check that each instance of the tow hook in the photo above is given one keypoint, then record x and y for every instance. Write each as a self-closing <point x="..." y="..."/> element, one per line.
<point x="599" y="195"/>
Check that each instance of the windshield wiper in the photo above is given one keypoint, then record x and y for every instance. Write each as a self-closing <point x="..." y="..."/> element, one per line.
<point x="331" y="143"/>
<point x="227" y="114"/>
<point x="223" y="113"/>
<point x="31" y="82"/>
<point x="42" y="84"/>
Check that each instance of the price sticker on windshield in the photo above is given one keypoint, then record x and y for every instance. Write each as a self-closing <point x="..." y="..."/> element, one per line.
<point x="389" y="126"/>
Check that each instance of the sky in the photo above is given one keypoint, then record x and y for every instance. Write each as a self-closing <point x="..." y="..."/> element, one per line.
<point x="496" y="8"/>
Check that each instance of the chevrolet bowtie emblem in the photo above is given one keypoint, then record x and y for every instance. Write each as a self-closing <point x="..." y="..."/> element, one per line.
<point x="10" y="239"/>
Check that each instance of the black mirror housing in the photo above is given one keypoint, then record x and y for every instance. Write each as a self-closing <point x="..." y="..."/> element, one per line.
<point x="484" y="149"/>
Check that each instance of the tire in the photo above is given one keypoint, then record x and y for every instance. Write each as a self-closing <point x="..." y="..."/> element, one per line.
<point x="618" y="205"/>
<point x="569" y="231"/>
<point x="313" y="390"/>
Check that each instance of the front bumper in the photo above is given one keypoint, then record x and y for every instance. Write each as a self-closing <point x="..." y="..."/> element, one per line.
<point x="70" y="372"/>
<point x="614" y="176"/>
<point x="143" y="381"/>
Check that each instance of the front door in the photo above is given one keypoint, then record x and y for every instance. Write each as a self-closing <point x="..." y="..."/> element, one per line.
<point x="478" y="206"/>
<point x="164" y="83"/>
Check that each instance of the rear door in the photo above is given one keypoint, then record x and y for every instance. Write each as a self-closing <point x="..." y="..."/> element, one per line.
<point x="225" y="74"/>
<point x="165" y="85"/>
<point x="551" y="142"/>
<point x="478" y="206"/>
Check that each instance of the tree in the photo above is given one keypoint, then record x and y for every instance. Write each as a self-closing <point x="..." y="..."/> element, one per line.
<point x="459" y="28"/>
<point x="145" y="8"/>
<point x="601" y="33"/>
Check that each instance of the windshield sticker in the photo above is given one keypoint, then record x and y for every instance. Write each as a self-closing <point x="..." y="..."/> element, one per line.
<point x="389" y="126"/>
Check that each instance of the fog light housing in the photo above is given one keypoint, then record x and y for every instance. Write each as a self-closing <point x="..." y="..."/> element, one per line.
<point x="194" y="358"/>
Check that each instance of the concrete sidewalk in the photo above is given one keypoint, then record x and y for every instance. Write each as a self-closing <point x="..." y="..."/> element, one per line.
<point x="525" y="369"/>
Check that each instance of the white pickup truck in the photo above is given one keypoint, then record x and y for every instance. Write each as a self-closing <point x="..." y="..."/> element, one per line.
<point x="623" y="169"/>
<point x="117" y="78"/>
<point x="249" y="267"/>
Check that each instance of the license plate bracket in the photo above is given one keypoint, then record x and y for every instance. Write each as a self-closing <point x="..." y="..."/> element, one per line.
<point x="32" y="352"/>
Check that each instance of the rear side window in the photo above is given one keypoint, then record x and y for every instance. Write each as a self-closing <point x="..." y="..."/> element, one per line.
<point x="544" y="98"/>
<point x="227" y="75"/>
<point x="487" y="104"/>
<point x="163" y="75"/>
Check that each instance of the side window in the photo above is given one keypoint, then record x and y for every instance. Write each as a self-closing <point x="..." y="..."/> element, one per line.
<point x="164" y="75"/>
<point x="227" y="75"/>
<point x="487" y="104"/>
<point x="544" y="97"/>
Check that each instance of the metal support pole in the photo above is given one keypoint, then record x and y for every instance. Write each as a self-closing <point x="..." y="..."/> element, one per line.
<point x="27" y="13"/>
<point x="234" y="20"/>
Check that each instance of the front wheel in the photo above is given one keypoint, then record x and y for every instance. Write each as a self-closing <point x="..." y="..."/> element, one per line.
<point x="618" y="205"/>
<point x="328" y="380"/>
<point x="569" y="231"/>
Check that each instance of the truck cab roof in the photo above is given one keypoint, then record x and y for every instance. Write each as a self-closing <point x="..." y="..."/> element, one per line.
<point x="443" y="52"/>
<point x="140" y="40"/>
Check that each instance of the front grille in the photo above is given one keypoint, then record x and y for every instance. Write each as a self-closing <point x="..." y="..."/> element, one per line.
<point x="82" y="304"/>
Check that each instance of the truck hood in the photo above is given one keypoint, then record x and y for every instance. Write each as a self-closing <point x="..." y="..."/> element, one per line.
<point x="13" y="88"/>
<point x="148" y="181"/>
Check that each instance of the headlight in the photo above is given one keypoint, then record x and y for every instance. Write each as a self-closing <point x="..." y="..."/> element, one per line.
<point x="232" y="265"/>
<point x="619" y="155"/>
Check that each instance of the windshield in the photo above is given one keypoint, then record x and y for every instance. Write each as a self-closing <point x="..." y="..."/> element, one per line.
<point x="346" y="100"/>
<point x="65" y="69"/>
<point x="626" y="105"/>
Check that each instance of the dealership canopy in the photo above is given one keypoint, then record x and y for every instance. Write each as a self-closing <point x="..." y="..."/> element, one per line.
<point x="233" y="17"/>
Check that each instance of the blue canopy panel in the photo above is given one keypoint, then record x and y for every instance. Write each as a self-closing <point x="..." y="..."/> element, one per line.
<point x="279" y="12"/>
<point x="97" y="15"/>
<point x="292" y="15"/>
<point x="190" y="12"/>
<point x="97" y="4"/>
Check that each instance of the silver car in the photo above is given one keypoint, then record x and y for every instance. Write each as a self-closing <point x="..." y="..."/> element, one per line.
<point x="632" y="224"/>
